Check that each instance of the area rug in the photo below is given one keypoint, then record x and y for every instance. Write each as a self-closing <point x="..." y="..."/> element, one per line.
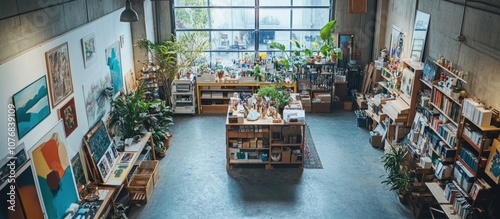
<point x="311" y="160"/>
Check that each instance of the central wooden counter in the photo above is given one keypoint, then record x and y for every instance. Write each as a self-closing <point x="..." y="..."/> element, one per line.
<point x="255" y="143"/>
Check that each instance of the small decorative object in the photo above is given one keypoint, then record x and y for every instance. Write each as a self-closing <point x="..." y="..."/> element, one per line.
<point x="68" y="114"/>
<point x="276" y="154"/>
<point x="59" y="72"/>
<point x="32" y="106"/>
<point x="253" y="115"/>
<point x="88" y="47"/>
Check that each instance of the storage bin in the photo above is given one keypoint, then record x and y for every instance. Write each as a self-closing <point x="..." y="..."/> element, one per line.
<point x="140" y="188"/>
<point x="149" y="168"/>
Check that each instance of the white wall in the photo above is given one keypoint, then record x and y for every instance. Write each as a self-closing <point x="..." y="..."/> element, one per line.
<point x="26" y="68"/>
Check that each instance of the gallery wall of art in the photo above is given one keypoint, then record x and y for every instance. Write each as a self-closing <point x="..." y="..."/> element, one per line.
<point x="74" y="85"/>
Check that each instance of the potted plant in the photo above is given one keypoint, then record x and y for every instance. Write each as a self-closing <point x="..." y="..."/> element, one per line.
<point x="286" y="59"/>
<point x="328" y="49"/>
<point x="128" y="114"/>
<point x="172" y="56"/>
<point x="277" y="94"/>
<point x="159" y="123"/>
<point x="399" y="178"/>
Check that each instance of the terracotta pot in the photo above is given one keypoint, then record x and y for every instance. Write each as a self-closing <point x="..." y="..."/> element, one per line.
<point x="333" y="58"/>
<point x="403" y="199"/>
<point x="162" y="154"/>
<point x="166" y="142"/>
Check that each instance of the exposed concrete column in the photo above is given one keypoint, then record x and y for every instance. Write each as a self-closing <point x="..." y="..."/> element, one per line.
<point x="144" y="28"/>
<point x="380" y="27"/>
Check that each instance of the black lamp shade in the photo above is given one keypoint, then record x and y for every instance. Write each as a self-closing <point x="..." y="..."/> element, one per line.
<point x="129" y="15"/>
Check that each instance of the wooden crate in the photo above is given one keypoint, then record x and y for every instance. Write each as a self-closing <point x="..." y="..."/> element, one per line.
<point x="150" y="168"/>
<point x="140" y="188"/>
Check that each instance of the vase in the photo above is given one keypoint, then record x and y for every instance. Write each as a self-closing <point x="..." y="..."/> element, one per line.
<point x="162" y="154"/>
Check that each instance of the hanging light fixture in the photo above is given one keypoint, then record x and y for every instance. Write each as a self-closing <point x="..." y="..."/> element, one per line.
<point x="129" y="15"/>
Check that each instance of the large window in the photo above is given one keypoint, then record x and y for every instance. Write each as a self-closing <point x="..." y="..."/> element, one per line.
<point x="237" y="28"/>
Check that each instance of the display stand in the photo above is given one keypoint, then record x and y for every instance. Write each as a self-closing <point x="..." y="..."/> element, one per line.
<point x="257" y="142"/>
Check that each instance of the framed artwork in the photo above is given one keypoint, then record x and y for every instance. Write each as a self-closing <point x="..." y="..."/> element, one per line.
<point x="28" y="204"/>
<point x="88" y="47"/>
<point x="346" y="44"/>
<point x="130" y="84"/>
<point x="113" y="60"/>
<point x="429" y="72"/>
<point x="32" y="106"/>
<point x="493" y="166"/>
<point x="96" y="101"/>
<point x="59" y="69"/>
<point x="397" y="42"/>
<point x="79" y="173"/>
<point x="104" y="169"/>
<point x="20" y="157"/>
<point x="407" y="82"/>
<point x="127" y="157"/>
<point x="68" y="115"/>
<point x="55" y="180"/>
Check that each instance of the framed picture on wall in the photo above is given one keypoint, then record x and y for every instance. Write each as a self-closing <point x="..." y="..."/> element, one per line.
<point x="88" y="47"/>
<point x="32" y="106"/>
<point x="397" y="43"/>
<point x="59" y="72"/>
<point x="68" y="115"/>
<point x="346" y="44"/>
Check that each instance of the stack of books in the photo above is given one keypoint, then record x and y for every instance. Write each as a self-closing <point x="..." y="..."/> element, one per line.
<point x="476" y="112"/>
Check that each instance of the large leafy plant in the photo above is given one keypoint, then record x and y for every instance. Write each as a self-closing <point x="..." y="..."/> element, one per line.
<point x="128" y="114"/>
<point x="328" y="47"/>
<point x="398" y="177"/>
<point x="286" y="58"/>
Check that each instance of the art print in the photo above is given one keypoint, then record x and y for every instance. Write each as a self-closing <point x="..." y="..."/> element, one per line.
<point x="68" y="115"/>
<point x="113" y="60"/>
<point x="59" y="72"/>
<point x="32" y="106"/>
<point x="95" y="100"/>
<point x="88" y="47"/>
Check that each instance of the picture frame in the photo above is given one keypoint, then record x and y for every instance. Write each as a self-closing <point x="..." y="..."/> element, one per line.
<point x="59" y="73"/>
<point x="493" y="165"/>
<point x="88" y="49"/>
<point x="346" y="44"/>
<point x="68" y="115"/>
<point x="397" y="43"/>
<point x="80" y="173"/>
<point x="127" y="157"/>
<point x="54" y="176"/>
<point x="32" y="106"/>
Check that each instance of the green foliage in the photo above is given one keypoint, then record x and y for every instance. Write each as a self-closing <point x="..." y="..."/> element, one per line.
<point x="128" y="115"/>
<point x="276" y="93"/>
<point x="190" y="47"/>
<point x="195" y="18"/>
<point x="398" y="177"/>
<point x="159" y="123"/>
<point x="329" y="48"/>
<point x="257" y="74"/>
<point x="281" y="47"/>
<point x="326" y="32"/>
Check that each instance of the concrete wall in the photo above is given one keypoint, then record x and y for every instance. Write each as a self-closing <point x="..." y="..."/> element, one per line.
<point x="26" y="67"/>
<point x="361" y="25"/>
<point x="26" y="24"/>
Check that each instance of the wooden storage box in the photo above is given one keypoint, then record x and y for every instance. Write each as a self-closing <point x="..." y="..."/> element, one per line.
<point x="348" y="105"/>
<point x="321" y="107"/>
<point x="140" y="188"/>
<point x="285" y="155"/>
<point x="149" y="168"/>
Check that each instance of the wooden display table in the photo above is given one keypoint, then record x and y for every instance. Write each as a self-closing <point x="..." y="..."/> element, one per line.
<point x="214" y="97"/>
<point x="254" y="142"/>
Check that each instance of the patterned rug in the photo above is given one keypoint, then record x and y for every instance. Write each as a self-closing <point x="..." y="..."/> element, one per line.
<point x="311" y="160"/>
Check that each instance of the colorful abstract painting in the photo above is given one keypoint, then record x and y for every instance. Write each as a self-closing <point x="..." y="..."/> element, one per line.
<point x="59" y="69"/>
<point x="113" y="60"/>
<point x="32" y="106"/>
<point x="88" y="47"/>
<point x="96" y="102"/>
<point x="55" y="180"/>
<point x="68" y="115"/>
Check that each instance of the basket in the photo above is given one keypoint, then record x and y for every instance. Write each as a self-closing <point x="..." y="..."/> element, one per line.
<point x="149" y="168"/>
<point x="140" y="188"/>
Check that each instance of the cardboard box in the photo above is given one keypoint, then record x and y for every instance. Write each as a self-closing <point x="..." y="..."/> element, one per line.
<point x="375" y="139"/>
<point x="293" y="158"/>
<point x="285" y="155"/>
<point x="321" y="107"/>
<point x="348" y="105"/>
<point x="324" y="97"/>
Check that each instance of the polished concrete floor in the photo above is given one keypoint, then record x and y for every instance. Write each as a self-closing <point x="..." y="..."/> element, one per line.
<point x="194" y="182"/>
